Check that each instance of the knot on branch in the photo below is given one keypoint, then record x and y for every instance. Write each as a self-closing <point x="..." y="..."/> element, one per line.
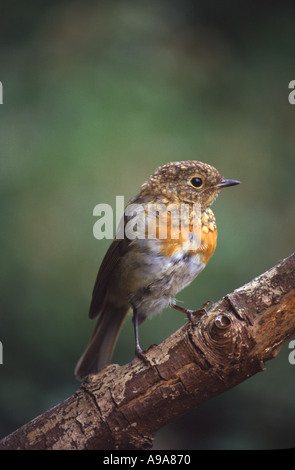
<point x="217" y="334"/>
<point x="221" y="339"/>
<point x="219" y="326"/>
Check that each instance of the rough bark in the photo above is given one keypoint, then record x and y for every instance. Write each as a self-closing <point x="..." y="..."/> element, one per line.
<point x="123" y="407"/>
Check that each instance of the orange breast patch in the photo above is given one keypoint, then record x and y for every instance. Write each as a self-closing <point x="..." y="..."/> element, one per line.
<point x="172" y="247"/>
<point x="208" y="245"/>
<point x="173" y="241"/>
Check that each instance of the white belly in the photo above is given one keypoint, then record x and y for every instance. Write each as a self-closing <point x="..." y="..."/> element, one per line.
<point x="154" y="279"/>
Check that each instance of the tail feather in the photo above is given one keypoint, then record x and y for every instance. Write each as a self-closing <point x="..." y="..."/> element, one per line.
<point x="100" y="348"/>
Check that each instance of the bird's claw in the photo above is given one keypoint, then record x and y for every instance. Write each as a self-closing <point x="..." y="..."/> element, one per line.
<point x="140" y="354"/>
<point x="191" y="314"/>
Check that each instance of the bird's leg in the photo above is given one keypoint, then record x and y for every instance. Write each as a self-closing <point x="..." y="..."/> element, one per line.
<point x="191" y="313"/>
<point x="138" y="351"/>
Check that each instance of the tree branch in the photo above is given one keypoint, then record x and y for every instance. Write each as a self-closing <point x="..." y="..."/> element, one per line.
<point x="123" y="407"/>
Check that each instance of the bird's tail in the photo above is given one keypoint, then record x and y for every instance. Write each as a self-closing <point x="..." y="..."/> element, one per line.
<point x="100" y="348"/>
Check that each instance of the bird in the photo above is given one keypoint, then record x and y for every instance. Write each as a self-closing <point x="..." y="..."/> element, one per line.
<point x="145" y="273"/>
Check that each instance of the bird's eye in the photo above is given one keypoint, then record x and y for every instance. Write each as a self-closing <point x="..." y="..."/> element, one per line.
<point x="196" y="182"/>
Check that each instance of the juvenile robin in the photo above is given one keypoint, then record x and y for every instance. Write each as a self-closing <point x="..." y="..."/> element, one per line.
<point x="145" y="273"/>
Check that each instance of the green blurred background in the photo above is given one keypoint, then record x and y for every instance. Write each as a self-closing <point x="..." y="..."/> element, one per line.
<point x="96" y="96"/>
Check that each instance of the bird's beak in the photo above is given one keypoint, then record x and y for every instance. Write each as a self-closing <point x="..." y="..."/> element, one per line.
<point x="224" y="183"/>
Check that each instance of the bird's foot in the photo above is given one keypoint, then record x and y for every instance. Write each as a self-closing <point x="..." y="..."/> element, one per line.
<point x="191" y="314"/>
<point x="141" y="355"/>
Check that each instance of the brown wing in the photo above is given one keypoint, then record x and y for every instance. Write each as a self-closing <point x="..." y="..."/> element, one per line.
<point x="110" y="261"/>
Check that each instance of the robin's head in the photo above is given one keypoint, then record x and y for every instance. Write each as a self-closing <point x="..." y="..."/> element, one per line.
<point x="186" y="182"/>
